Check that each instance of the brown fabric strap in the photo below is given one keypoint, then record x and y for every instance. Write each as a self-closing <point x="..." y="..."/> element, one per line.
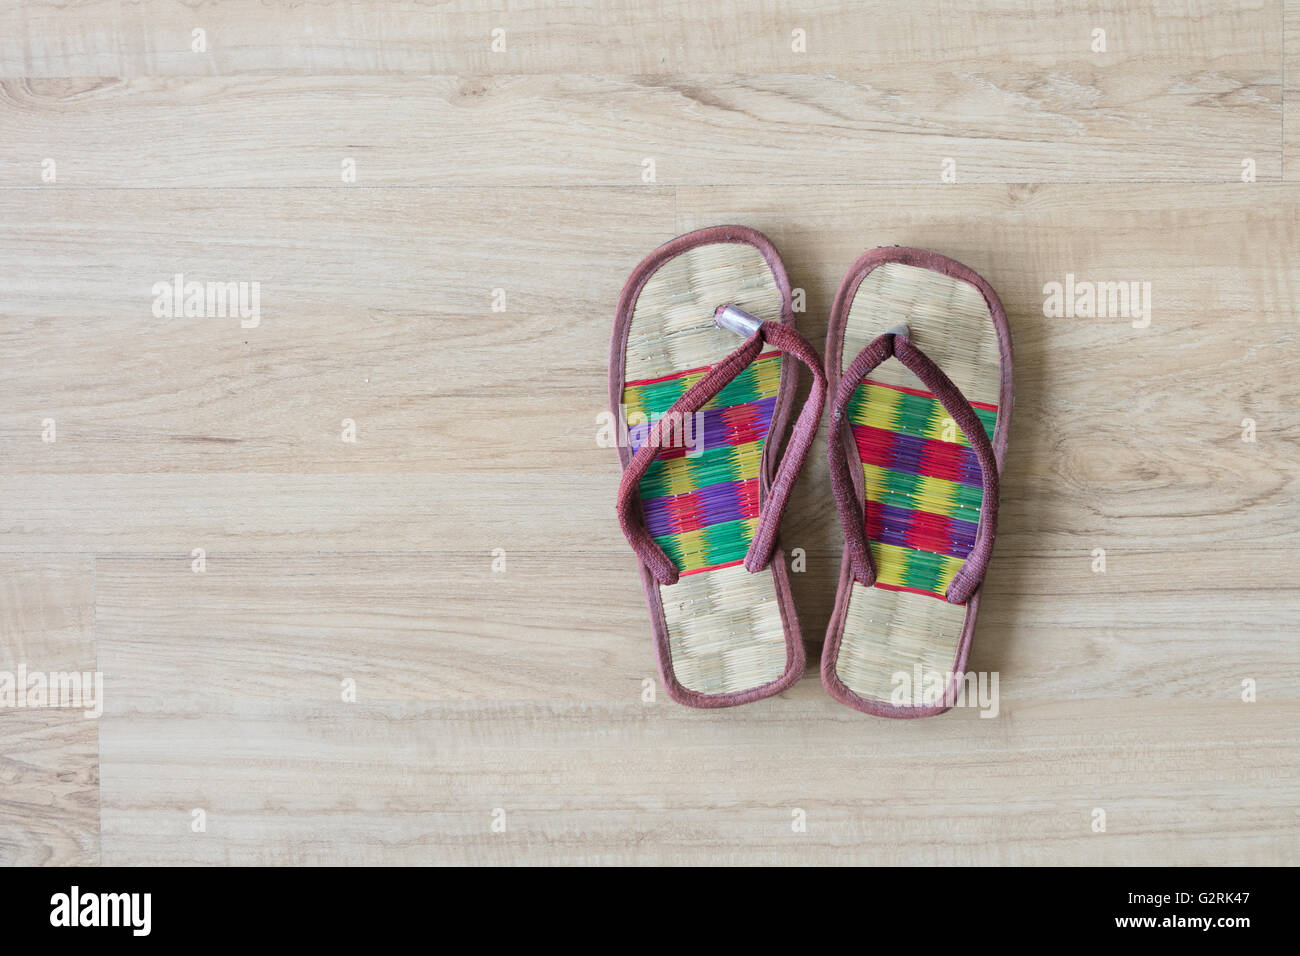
<point x="630" y="519"/>
<point x="898" y="345"/>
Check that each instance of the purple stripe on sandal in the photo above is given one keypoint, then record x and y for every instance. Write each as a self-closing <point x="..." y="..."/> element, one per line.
<point x="719" y="427"/>
<point x="907" y="528"/>
<point x="713" y="504"/>
<point x="924" y="456"/>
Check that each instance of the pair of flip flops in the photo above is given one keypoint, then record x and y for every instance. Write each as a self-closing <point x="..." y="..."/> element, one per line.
<point x="700" y="373"/>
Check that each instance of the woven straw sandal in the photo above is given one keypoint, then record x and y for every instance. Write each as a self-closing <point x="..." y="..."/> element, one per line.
<point x="921" y="440"/>
<point x="702" y="491"/>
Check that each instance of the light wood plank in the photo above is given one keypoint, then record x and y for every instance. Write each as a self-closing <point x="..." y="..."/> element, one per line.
<point x="1190" y="783"/>
<point x="102" y="38"/>
<point x="375" y="306"/>
<point x="1197" y="123"/>
<point x="49" y="773"/>
<point x="441" y="627"/>
<point x="1291" y="91"/>
<point x="49" y="757"/>
<point x="47" y="608"/>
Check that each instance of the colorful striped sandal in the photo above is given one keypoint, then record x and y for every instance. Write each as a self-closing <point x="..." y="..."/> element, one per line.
<point x="702" y="493"/>
<point x="921" y="442"/>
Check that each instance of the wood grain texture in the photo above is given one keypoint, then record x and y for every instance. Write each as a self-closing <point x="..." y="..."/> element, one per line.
<point x="444" y="626"/>
<point x="391" y="784"/>
<point x="375" y="305"/>
<point x="49" y="758"/>
<point x="698" y="128"/>
<point x="49" y="770"/>
<point x="47" y="608"/>
<point x="155" y="37"/>
<point x="405" y="627"/>
<point x="1291" y="82"/>
<point x="372" y="561"/>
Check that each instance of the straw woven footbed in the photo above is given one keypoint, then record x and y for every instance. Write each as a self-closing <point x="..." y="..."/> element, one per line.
<point x="886" y="630"/>
<point x="725" y="629"/>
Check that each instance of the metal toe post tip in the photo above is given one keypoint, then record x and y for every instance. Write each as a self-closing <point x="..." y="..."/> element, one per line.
<point x="736" y="320"/>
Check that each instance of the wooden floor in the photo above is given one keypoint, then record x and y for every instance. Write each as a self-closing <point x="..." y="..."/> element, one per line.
<point x="499" y="717"/>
